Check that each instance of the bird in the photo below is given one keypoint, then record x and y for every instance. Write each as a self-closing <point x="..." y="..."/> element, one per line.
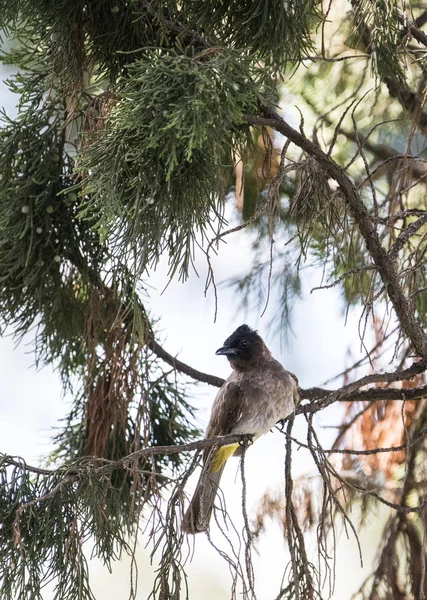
<point x="258" y="393"/>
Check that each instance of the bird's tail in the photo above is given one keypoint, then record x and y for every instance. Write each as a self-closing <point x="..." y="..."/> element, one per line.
<point x="198" y="514"/>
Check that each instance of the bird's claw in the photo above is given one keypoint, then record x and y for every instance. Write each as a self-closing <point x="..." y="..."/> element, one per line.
<point x="247" y="440"/>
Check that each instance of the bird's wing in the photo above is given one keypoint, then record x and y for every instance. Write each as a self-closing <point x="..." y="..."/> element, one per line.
<point x="227" y="409"/>
<point x="252" y="404"/>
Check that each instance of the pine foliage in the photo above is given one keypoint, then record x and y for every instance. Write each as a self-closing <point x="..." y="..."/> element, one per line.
<point x="170" y="139"/>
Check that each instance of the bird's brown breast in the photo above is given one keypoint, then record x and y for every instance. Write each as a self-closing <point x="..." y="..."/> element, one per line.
<point x="253" y="401"/>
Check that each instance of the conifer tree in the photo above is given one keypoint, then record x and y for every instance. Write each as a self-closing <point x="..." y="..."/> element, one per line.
<point x="136" y="119"/>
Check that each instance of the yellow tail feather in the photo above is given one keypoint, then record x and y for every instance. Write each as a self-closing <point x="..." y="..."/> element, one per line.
<point x="222" y="456"/>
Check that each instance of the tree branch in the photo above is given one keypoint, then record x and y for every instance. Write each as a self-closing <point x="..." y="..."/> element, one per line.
<point x="404" y="236"/>
<point x="324" y="397"/>
<point x="108" y="466"/>
<point x="375" y="394"/>
<point x="181" y="366"/>
<point x="351" y="391"/>
<point x="409" y="100"/>
<point x="421" y="435"/>
<point x="421" y="20"/>
<point x="383" y="262"/>
<point x="150" y="340"/>
<point x="416" y="33"/>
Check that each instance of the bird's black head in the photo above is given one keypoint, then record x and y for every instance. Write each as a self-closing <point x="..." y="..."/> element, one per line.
<point x="242" y="347"/>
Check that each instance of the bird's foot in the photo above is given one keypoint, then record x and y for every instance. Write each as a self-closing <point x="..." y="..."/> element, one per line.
<point x="281" y="424"/>
<point x="247" y="440"/>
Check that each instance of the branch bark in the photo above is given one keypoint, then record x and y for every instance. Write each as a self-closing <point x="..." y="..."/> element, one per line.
<point x="404" y="236"/>
<point x="416" y="33"/>
<point x="181" y="366"/>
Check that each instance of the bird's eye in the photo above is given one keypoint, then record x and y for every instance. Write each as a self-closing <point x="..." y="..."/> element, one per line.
<point x="244" y="344"/>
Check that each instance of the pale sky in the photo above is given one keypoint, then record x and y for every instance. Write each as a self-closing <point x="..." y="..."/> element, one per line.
<point x="31" y="405"/>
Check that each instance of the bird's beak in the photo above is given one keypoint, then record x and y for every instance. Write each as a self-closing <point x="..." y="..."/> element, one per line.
<point x="226" y="351"/>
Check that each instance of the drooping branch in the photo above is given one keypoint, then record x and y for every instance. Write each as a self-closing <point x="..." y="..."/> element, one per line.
<point x="382" y="152"/>
<point x="381" y="259"/>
